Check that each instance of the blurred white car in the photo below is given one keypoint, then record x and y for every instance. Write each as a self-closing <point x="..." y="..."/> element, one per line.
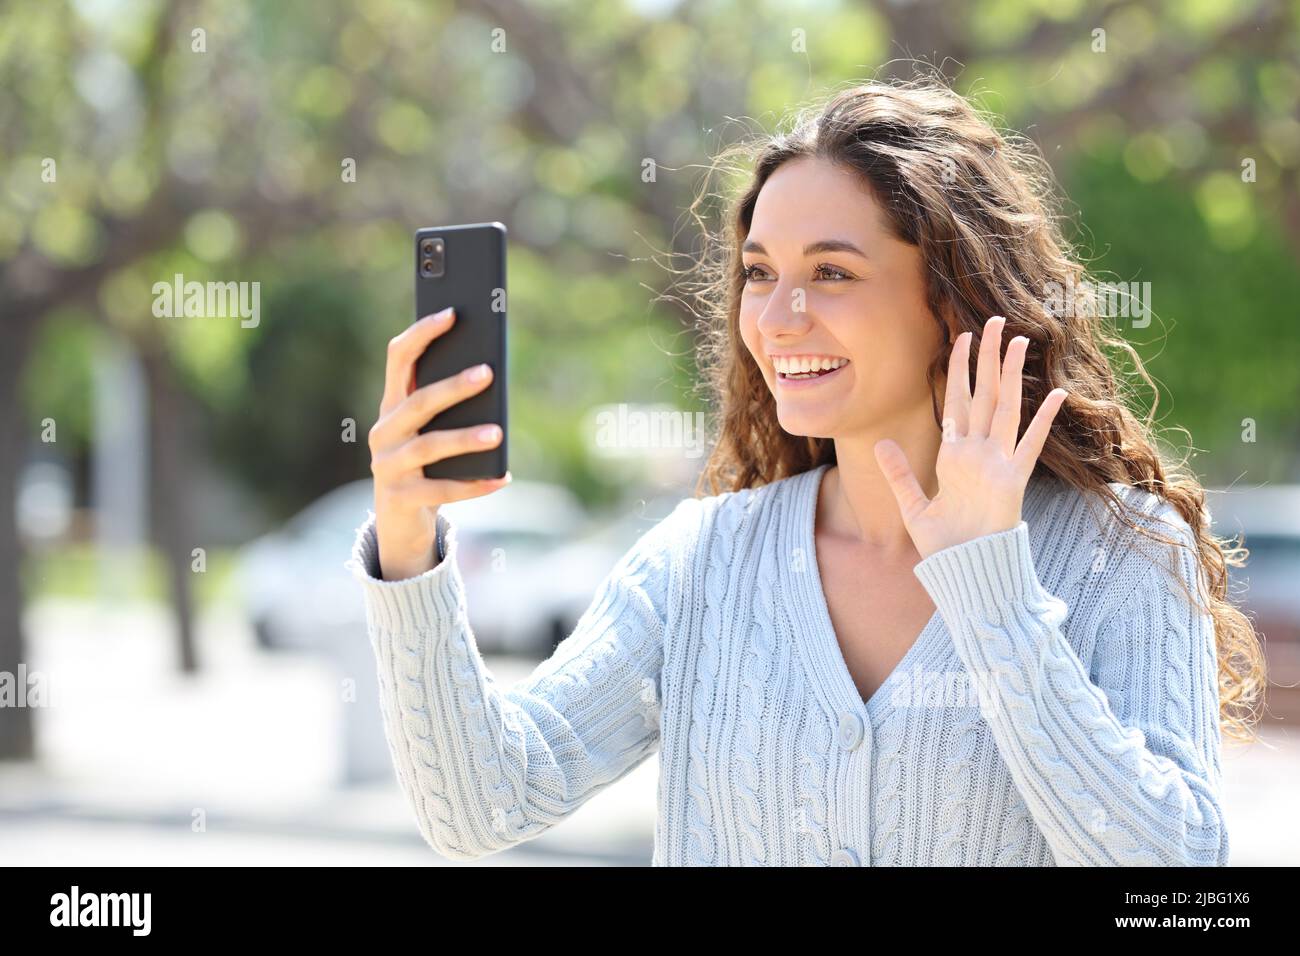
<point x="1268" y="587"/>
<point x="299" y="595"/>
<point x="559" y="590"/>
<point x="506" y="545"/>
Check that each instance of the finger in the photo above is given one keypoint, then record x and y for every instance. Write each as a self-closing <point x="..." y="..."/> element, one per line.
<point x="1006" y="417"/>
<point x="902" y="482"/>
<point x="956" y="400"/>
<point x="403" y="351"/>
<point x="986" y="377"/>
<point x="431" y="492"/>
<point x="417" y="409"/>
<point x="434" y="446"/>
<point x="1031" y="445"/>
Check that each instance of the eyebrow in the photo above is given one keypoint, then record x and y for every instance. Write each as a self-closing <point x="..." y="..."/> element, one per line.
<point x="823" y="245"/>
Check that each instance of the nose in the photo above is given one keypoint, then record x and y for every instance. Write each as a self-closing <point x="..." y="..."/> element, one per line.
<point x="785" y="314"/>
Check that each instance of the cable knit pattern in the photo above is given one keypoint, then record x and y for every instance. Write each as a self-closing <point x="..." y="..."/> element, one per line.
<point x="1059" y="709"/>
<point x="813" y="760"/>
<point x="1017" y="832"/>
<point x="958" y="773"/>
<point x="721" y="550"/>
<point x="888" y="787"/>
<point x="1104" y="790"/>
<point x="756" y="666"/>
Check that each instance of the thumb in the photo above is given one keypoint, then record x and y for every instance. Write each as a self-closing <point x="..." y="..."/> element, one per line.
<point x="902" y="482"/>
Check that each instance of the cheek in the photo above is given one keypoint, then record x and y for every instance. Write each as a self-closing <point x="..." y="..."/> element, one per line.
<point x="900" y="327"/>
<point x="861" y="327"/>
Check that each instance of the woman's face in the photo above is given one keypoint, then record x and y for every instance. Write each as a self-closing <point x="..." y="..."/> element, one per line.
<point x="826" y="280"/>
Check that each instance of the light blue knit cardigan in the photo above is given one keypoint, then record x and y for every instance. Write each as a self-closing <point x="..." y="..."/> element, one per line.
<point x="1060" y="707"/>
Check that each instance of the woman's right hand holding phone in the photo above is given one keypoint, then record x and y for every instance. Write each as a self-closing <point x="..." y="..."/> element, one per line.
<point x="406" y="502"/>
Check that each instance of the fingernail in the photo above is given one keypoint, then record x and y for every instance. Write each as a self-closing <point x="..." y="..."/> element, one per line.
<point x="445" y="314"/>
<point x="478" y="373"/>
<point x="488" y="433"/>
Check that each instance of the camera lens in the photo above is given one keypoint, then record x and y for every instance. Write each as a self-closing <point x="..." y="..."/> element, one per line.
<point x="427" y="265"/>
<point x="427" y="247"/>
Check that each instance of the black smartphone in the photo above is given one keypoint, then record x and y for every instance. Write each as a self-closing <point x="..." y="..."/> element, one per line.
<point x="465" y="267"/>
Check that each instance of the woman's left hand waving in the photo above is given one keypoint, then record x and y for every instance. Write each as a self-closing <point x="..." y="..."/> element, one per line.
<point x="982" y="472"/>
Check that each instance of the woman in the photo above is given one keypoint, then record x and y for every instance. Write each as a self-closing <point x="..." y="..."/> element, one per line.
<point x="949" y="609"/>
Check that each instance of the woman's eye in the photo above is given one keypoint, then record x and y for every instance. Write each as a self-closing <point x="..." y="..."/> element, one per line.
<point x="831" y="273"/>
<point x="835" y="272"/>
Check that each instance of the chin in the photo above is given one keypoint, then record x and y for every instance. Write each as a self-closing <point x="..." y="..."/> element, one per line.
<point x="806" y="424"/>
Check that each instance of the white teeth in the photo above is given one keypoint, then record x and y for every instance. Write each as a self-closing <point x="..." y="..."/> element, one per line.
<point x="796" y="366"/>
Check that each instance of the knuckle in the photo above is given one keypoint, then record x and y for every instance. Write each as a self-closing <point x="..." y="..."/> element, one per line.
<point x="423" y="400"/>
<point x="429" y="446"/>
<point x="432" y="395"/>
<point x="390" y="463"/>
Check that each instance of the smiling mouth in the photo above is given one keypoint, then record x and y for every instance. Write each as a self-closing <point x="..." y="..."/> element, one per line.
<point x="809" y="376"/>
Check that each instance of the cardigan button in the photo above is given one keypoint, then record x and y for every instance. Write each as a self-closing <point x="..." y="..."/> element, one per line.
<point x="844" y="857"/>
<point x="850" y="730"/>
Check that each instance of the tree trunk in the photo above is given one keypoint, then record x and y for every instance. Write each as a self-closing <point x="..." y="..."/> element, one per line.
<point x="17" y="739"/>
<point x="172" y="517"/>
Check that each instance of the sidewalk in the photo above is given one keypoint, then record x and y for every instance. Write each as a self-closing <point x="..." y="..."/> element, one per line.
<point x="133" y="754"/>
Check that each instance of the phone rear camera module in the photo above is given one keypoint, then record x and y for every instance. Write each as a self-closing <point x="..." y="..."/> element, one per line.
<point x="432" y="252"/>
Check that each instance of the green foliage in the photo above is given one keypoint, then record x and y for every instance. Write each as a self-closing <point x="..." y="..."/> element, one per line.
<point x="59" y="377"/>
<point x="1222" y="344"/>
<point x="282" y="433"/>
<point x="76" y="572"/>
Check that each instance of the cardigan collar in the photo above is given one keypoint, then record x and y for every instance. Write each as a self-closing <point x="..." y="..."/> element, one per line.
<point x="803" y="583"/>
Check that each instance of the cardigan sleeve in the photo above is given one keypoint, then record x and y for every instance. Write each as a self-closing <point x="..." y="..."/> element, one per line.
<point x="485" y="767"/>
<point x="1120" y="772"/>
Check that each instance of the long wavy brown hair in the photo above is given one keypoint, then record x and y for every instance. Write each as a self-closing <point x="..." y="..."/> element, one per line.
<point x="980" y="205"/>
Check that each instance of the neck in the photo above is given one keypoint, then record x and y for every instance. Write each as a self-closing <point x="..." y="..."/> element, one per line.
<point x="856" y="501"/>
